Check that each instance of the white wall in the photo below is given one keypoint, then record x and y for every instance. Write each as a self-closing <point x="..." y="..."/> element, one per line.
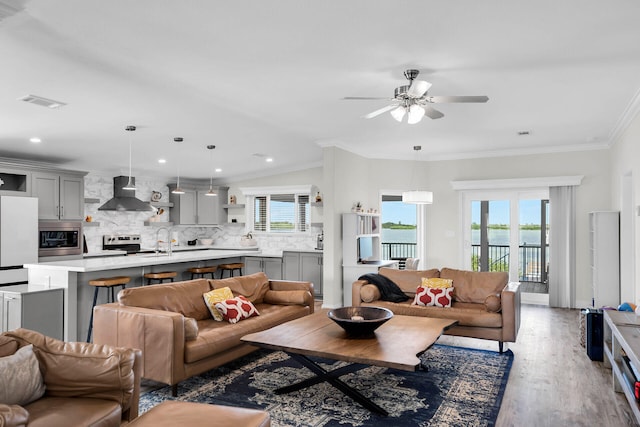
<point x="625" y="158"/>
<point x="443" y="217"/>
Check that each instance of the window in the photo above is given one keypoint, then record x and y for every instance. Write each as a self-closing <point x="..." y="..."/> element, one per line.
<point x="281" y="213"/>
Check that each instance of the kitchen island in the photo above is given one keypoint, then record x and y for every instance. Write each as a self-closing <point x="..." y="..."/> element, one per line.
<point x="73" y="277"/>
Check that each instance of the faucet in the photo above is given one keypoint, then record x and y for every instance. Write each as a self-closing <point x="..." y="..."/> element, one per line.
<point x="168" y="230"/>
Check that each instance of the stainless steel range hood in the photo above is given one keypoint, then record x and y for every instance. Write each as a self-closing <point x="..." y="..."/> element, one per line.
<point x="124" y="200"/>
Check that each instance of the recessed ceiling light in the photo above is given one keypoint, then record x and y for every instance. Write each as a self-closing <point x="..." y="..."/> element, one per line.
<point x="41" y="101"/>
<point x="218" y="170"/>
<point x="162" y="161"/>
<point x="35" y="140"/>
<point x="268" y="159"/>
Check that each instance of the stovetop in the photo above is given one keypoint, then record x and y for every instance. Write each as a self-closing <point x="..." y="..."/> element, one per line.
<point x="127" y="242"/>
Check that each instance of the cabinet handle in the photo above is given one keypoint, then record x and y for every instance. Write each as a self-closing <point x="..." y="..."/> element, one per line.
<point x="61" y="211"/>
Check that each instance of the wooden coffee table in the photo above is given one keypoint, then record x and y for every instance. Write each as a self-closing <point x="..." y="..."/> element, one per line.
<point x="397" y="344"/>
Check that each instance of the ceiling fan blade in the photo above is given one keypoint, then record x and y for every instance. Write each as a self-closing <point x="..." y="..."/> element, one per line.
<point x="363" y="98"/>
<point x="380" y="111"/>
<point x="418" y="88"/>
<point x="431" y="112"/>
<point x="441" y="99"/>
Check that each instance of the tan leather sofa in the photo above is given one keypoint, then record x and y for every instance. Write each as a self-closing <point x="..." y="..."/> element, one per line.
<point x="86" y="384"/>
<point x="178" y="336"/>
<point x="485" y="305"/>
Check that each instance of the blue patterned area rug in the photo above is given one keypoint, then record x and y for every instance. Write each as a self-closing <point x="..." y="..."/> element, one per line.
<point x="460" y="387"/>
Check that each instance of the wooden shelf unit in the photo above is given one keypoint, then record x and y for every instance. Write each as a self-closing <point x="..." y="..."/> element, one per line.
<point x="621" y="335"/>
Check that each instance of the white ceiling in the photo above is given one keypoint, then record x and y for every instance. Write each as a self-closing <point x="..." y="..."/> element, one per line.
<point x="267" y="78"/>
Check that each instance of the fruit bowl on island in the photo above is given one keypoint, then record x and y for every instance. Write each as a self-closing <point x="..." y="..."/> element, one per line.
<point x="359" y="321"/>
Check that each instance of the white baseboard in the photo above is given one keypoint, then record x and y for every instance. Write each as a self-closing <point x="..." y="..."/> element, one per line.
<point x="531" y="298"/>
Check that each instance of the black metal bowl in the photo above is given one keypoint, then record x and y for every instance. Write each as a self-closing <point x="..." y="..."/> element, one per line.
<point x="358" y="321"/>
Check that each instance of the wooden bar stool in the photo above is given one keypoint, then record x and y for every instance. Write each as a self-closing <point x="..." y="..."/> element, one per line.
<point x="230" y="268"/>
<point x="160" y="277"/>
<point x="202" y="271"/>
<point x="109" y="283"/>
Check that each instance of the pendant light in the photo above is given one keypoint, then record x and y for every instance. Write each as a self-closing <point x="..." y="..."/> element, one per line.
<point x="178" y="190"/>
<point x="211" y="192"/>
<point x="417" y="197"/>
<point x="130" y="185"/>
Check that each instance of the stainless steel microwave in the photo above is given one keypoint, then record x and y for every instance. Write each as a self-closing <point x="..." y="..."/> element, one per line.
<point x="59" y="238"/>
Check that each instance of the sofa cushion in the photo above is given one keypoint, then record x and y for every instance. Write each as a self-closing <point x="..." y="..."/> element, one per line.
<point x="492" y="303"/>
<point x="13" y="416"/>
<point x="252" y="286"/>
<point x="215" y="296"/>
<point x="8" y="345"/>
<point x="467" y="314"/>
<point x="190" y="328"/>
<point x="236" y="309"/>
<point x="78" y="411"/>
<point x="180" y="297"/>
<point x="370" y="293"/>
<point x="475" y="286"/>
<point x="285" y="297"/>
<point x="219" y="337"/>
<point x="439" y="297"/>
<point x="436" y="283"/>
<point x="20" y="376"/>
<point x="408" y="280"/>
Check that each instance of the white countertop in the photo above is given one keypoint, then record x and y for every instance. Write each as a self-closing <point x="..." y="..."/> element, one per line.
<point x="117" y="262"/>
<point x="278" y="253"/>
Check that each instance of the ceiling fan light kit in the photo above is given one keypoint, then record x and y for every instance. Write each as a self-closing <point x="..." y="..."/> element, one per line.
<point x="413" y="99"/>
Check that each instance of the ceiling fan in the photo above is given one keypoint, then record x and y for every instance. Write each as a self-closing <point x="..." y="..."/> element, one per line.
<point x="412" y="100"/>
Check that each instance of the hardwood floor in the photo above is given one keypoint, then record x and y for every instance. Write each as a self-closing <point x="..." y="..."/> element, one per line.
<point x="553" y="382"/>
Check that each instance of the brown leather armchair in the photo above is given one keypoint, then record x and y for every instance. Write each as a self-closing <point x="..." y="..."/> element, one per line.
<point x="86" y="384"/>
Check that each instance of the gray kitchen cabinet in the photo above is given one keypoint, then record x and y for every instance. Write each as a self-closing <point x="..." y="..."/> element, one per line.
<point x="271" y="266"/>
<point x="304" y="266"/>
<point x="311" y="271"/>
<point x="32" y="308"/>
<point x="195" y="208"/>
<point x="59" y="196"/>
<point x="291" y="265"/>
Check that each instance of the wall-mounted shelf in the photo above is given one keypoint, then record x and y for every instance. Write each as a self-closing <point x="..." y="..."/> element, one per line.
<point x="91" y="200"/>
<point x="161" y="204"/>
<point x="158" y="224"/>
<point x="91" y="224"/>
<point x="234" y="206"/>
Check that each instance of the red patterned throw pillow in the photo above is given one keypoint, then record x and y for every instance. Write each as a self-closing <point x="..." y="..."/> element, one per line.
<point x="439" y="297"/>
<point x="236" y="309"/>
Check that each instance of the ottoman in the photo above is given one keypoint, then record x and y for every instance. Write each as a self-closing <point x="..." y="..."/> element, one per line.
<point x="174" y="413"/>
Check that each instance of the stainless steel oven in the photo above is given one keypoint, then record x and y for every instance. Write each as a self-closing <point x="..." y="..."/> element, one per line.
<point x="59" y="238"/>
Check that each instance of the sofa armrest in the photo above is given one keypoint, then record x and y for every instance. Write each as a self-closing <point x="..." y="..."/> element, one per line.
<point x="79" y="369"/>
<point x="13" y="416"/>
<point x="158" y="333"/>
<point x="356" y="297"/>
<point x="510" y="299"/>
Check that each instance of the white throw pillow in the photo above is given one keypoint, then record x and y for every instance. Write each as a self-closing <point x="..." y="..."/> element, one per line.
<point x="20" y="378"/>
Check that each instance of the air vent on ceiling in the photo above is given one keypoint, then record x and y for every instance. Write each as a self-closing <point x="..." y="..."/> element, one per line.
<point x="43" y="102"/>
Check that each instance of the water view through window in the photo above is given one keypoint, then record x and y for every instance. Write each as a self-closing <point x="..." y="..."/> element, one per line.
<point x="399" y="236"/>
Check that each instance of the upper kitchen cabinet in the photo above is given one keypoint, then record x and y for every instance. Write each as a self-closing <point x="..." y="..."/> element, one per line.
<point x="60" y="196"/>
<point x="194" y="207"/>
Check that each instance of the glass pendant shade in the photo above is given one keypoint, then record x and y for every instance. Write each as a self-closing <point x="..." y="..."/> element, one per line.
<point x="130" y="185"/>
<point x="398" y="113"/>
<point x="416" y="112"/>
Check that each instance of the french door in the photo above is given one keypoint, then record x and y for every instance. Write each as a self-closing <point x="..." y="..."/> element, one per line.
<point x="508" y="231"/>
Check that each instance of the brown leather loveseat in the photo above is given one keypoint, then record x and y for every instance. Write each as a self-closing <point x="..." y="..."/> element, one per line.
<point x="84" y="384"/>
<point x="485" y="304"/>
<point x="175" y="330"/>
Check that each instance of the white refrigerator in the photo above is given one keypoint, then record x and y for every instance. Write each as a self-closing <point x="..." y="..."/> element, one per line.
<point x="18" y="237"/>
